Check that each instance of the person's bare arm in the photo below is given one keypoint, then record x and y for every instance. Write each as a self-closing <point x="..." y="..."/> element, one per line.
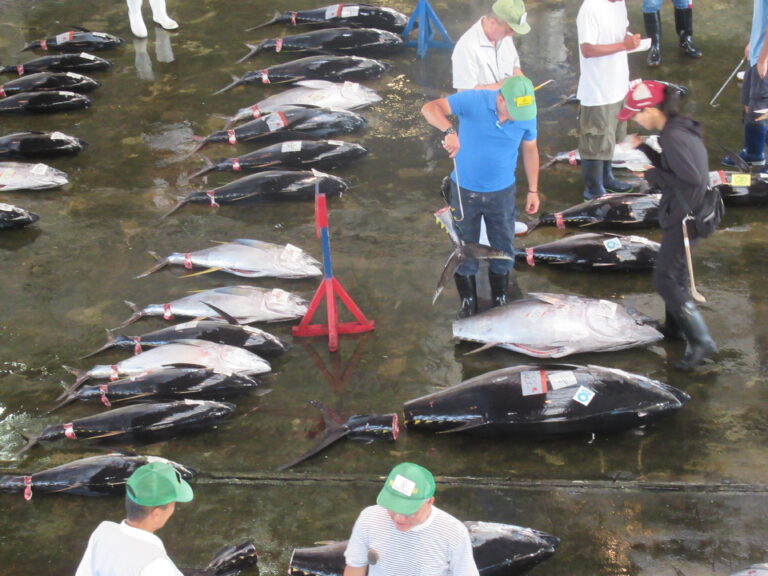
<point x="631" y="41"/>
<point x="436" y="112"/>
<point x="531" y="166"/>
<point x="355" y="570"/>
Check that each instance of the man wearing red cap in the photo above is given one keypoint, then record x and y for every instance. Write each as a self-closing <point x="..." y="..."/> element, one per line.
<point x="405" y="534"/>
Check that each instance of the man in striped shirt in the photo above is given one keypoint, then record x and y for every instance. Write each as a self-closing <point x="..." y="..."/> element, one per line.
<point x="405" y="534"/>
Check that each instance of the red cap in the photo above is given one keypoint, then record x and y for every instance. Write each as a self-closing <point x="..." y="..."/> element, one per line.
<point x="646" y="94"/>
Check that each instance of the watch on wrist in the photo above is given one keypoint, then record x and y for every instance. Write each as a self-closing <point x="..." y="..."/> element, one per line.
<point x="449" y="130"/>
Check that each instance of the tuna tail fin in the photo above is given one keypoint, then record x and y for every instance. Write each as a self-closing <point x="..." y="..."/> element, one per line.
<point x="111" y="340"/>
<point x="275" y="18"/>
<point x="448" y="270"/>
<point x="31" y="46"/>
<point x="31" y="441"/>
<point x="334" y="432"/>
<point x="552" y="160"/>
<point x="201" y="142"/>
<point x="68" y="399"/>
<point x="178" y="205"/>
<point x="80" y="377"/>
<point x="137" y="313"/>
<point x="236" y="81"/>
<point x="161" y="263"/>
<point x="254" y="49"/>
<point x="209" y="167"/>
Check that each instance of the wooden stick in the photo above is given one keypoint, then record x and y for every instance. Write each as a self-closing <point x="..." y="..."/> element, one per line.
<point x="698" y="296"/>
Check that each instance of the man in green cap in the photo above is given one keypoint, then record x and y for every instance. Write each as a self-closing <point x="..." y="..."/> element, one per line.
<point x="131" y="547"/>
<point x="493" y="125"/>
<point x="405" y="534"/>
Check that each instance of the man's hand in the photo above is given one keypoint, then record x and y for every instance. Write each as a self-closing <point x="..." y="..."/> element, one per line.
<point x="631" y="41"/>
<point x="451" y="145"/>
<point x="532" y="203"/>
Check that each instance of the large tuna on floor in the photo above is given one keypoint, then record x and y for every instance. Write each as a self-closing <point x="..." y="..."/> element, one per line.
<point x="103" y="475"/>
<point x="45" y="102"/>
<point x="499" y="550"/>
<point x="594" y="252"/>
<point x="624" y="156"/>
<point x="78" y="40"/>
<point x="26" y="176"/>
<point x="46" y="81"/>
<point x="733" y="193"/>
<point x="315" y="93"/>
<point x="82" y="62"/>
<point x="39" y="144"/>
<point x="355" y="15"/>
<point x="610" y="211"/>
<point x="546" y="399"/>
<point x="14" y="217"/>
<point x="547" y="325"/>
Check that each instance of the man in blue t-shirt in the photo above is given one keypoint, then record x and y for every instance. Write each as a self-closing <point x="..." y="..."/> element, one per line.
<point x="493" y="125"/>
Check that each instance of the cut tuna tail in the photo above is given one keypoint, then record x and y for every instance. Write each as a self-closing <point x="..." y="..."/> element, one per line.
<point x="31" y="46"/>
<point x="137" y="313"/>
<point x="111" y="340"/>
<point x="31" y="441"/>
<point x="80" y="377"/>
<point x="275" y="18"/>
<point x="235" y="82"/>
<point x="552" y="160"/>
<point x="254" y="49"/>
<point x="161" y="263"/>
<point x="178" y="205"/>
<point x="68" y="399"/>
<point x="209" y="167"/>
<point x="201" y="142"/>
<point x="462" y="253"/>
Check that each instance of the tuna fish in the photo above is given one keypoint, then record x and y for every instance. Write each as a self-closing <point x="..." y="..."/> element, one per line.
<point x="247" y="258"/>
<point x="196" y="353"/>
<point x="103" y="475"/>
<point x="360" y="427"/>
<point x="44" y="102"/>
<point x="164" y="384"/>
<point x="270" y="186"/>
<point x="144" y="423"/>
<point x="245" y="304"/>
<point x="624" y="156"/>
<point x="324" y="67"/>
<point x="610" y="211"/>
<point x="14" y="217"/>
<point x="230" y="560"/>
<point x="315" y="93"/>
<point x="354" y="15"/>
<point x="292" y="154"/>
<point x="549" y="399"/>
<point x="46" y="81"/>
<point x="556" y="325"/>
<point x="39" y="144"/>
<point x="76" y="41"/>
<point x="735" y="193"/>
<point x="330" y="40"/>
<point x="23" y="176"/>
<point x="754" y="570"/>
<point x="287" y="123"/>
<point x="82" y="62"/>
<point x="499" y="550"/>
<point x="594" y="252"/>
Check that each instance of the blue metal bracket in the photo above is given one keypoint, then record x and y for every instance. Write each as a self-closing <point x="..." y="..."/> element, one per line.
<point x="428" y="24"/>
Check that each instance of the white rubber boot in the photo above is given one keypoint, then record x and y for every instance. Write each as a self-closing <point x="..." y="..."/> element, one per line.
<point x="137" y="22"/>
<point x="160" y="16"/>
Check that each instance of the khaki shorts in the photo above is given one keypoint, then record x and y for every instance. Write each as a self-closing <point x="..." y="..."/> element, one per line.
<point x="599" y="130"/>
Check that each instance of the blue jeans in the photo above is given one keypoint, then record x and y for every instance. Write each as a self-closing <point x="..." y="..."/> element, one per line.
<point x="498" y="210"/>
<point x="655" y="5"/>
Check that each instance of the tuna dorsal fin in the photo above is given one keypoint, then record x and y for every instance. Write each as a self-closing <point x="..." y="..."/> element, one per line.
<point x="553" y="299"/>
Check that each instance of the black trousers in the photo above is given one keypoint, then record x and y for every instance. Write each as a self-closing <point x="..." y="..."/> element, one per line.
<point x="670" y="276"/>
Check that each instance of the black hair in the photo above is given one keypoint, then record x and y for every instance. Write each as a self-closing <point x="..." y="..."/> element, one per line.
<point x="137" y="512"/>
<point x="670" y="107"/>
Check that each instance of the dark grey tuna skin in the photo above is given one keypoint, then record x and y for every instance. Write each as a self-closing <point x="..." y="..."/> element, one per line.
<point x="44" y="102"/>
<point x="353" y="15"/>
<point x="103" y="475"/>
<point x="230" y="560"/>
<point x="82" y="62"/>
<point x="331" y="40"/>
<point x="46" y="81"/>
<point x="80" y="40"/>
<point x="165" y="384"/>
<point x="618" y="211"/>
<point x="590" y="251"/>
<point x="15" y="217"/>
<point x="755" y="194"/>
<point x="140" y="422"/>
<point x="39" y="145"/>
<point x="332" y="68"/>
<point x="499" y="404"/>
<point x="293" y="154"/>
<point x="498" y="549"/>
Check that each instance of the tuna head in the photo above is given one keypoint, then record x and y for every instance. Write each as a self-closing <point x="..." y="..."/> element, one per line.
<point x="503" y="549"/>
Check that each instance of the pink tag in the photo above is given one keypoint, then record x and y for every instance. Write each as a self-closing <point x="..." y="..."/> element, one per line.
<point x="104" y="400"/>
<point x="115" y="375"/>
<point x="572" y="157"/>
<point x="137" y="346"/>
<point x="20" y="69"/>
<point x="255" y="112"/>
<point x="559" y="221"/>
<point x="212" y="196"/>
<point x="167" y="315"/>
<point x="231" y="137"/>
<point x="188" y="261"/>
<point x="338" y="10"/>
<point x="529" y="257"/>
<point x="278" y="44"/>
<point x="265" y="77"/>
<point x="69" y="432"/>
<point x="236" y="164"/>
<point x="293" y="18"/>
<point x="27" y="488"/>
<point x="43" y="45"/>
<point x="2" y="92"/>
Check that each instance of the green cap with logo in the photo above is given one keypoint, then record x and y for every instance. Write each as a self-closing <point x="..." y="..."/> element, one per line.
<point x="407" y="487"/>
<point x="157" y="484"/>
<point x="520" y="98"/>
<point x="513" y="13"/>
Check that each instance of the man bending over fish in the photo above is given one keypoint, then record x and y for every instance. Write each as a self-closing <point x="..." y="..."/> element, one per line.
<point x="493" y="125"/>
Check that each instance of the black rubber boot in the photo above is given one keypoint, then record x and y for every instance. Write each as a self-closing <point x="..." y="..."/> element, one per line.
<point x="653" y="29"/>
<point x="592" y="172"/>
<point x="610" y="183"/>
<point x="671" y="329"/>
<point x="467" y="287"/>
<point x="684" y="27"/>
<point x="699" y="343"/>
<point x="499" y="284"/>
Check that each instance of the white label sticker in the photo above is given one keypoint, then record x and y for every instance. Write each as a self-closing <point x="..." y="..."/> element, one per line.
<point x="87" y="56"/>
<point x="63" y="37"/>
<point x="291" y="253"/>
<point x="335" y="142"/>
<point x="331" y="11"/>
<point x="639" y="240"/>
<point x="403" y="485"/>
<point x="607" y="308"/>
<point x="39" y="169"/>
<point x="612" y="244"/>
<point x="584" y="395"/>
<point x="291" y="146"/>
<point x="275" y="121"/>
<point x="533" y="382"/>
<point x="562" y="379"/>
<point x="715" y="178"/>
<point x="278" y="296"/>
<point x="350" y="11"/>
<point x="7" y="173"/>
<point x="59" y="136"/>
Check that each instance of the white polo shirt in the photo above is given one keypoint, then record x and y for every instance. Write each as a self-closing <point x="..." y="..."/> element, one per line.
<point x="477" y="61"/>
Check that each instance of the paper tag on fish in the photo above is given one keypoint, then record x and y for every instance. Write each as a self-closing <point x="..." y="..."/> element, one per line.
<point x="276" y="121"/>
<point x="335" y="142"/>
<point x="73" y="75"/>
<point x="716" y="178"/>
<point x="59" y="136"/>
<point x="562" y="379"/>
<point x="584" y="395"/>
<point x="185" y="325"/>
<point x="291" y="146"/>
<point x="533" y="382"/>
<point x="277" y="296"/>
<point x="607" y="308"/>
<point x="741" y="180"/>
<point x="333" y="11"/>
<point x="640" y="240"/>
<point x="291" y="253"/>
<point x="87" y="56"/>
<point x="39" y="169"/>
<point x="64" y="37"/>
<point x="612" y="244"/>
<point x="7" y="173"/>
<point x="350" y="11"/>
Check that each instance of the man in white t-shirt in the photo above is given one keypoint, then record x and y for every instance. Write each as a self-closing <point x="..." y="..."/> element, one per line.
<point x="404" y="534"/>
<point x="485" y="55"/>
<point x="131" y="547"/>
<point x="604" y="41"/>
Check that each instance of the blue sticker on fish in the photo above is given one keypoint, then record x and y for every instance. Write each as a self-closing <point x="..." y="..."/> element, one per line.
<point x="612" y="244"/>
<point x="584" y="395"/>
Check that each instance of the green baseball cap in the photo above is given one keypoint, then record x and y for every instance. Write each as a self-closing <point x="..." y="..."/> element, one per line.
<point x="513" y="13"/>
<point x="520" y="98"/>
<point x="157" y="484"/>
<point x="407" y="487"/>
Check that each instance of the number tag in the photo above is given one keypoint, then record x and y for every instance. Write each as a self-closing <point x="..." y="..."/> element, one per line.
<point x="291" y="146"/>
<point x="562" y="379"/>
